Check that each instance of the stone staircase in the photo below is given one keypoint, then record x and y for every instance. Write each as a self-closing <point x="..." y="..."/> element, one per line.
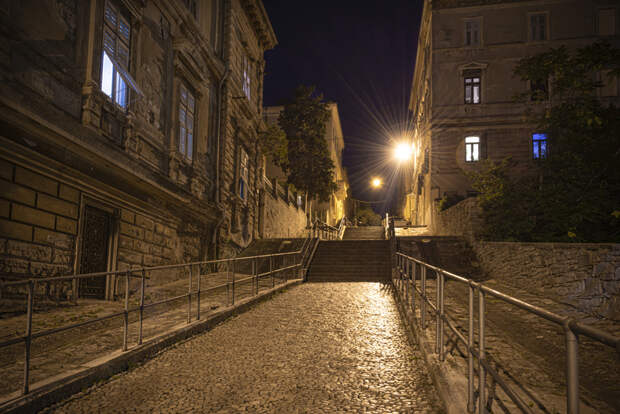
<point x="351" y="261"/>
<point x="364" y="233"/>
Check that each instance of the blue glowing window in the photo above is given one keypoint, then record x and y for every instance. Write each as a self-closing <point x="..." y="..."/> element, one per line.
<point x="539" y="146"/>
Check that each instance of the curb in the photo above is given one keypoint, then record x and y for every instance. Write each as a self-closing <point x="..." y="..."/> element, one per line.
<point x="52" y="390"/>
<point x="451" y="393"/>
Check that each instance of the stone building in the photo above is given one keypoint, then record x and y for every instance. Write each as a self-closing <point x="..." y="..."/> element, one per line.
<point x="333" y="211"/>
<point x="127" y="133"/>
<point x="463" y="86"/>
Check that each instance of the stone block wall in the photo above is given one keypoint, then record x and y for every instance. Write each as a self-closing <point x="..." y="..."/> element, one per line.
<point x="146" y="242"/>
<point x="282" y="218"/>
<point x="583" y="275"/>
<point x="462" y="219"/>
<point x="38" y="224"/>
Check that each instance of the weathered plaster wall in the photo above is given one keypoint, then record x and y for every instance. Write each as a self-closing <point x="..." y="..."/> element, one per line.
<point x="586" y="276"/>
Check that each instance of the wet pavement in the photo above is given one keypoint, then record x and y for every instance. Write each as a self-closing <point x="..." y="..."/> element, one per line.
<point x="320" y="347"/>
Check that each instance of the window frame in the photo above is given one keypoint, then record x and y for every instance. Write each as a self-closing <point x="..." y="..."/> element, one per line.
<point x="530" y="34"/>
<point x="192" y="7"/>
<point x="478" y="21"/>
<point x="537" y="148"/>
<point x="111" y="57"/>
<point x="246" y="77"/>
<point x="614" y="11"/>
<point x="474" y="155"/>
<point x="186" y="136"/>
<point x="244" y="174"/>
<point x="472" y="75"/>
<point x="533" y="84"/>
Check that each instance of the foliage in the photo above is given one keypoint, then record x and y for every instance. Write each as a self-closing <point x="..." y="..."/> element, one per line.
<point x="573" y="194"/>
<point x="367" y="217"/>
<point x="448" y="201"/>
<point x="309" y="166"/>
<point x="274" y="144"/>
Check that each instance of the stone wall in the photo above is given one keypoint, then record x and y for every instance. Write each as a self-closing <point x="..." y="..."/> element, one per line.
<point x="586" y="276"/>
<point x="462" y="219"/>
<point x="39" y="227"/>
<point x="282" y="218"/>
<point x="38" y="224"/>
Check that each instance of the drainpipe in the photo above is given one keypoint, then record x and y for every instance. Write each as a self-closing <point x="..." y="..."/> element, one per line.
<point x="218" y="133"/>
<point x="217" y="158"/>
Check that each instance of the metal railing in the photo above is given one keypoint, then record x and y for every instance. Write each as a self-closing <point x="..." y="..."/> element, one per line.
<point x="324" y="231"/>
<point x="279" y="265"/>
<point x="405" y="281"/>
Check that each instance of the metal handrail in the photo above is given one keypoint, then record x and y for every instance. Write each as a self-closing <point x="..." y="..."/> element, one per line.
<point x="405" y="283"/>
<point x="294" y="263"/>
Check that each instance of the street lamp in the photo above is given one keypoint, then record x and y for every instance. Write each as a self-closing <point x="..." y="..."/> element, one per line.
<point x="376" y="182"/>
<point x="403" y="151"/>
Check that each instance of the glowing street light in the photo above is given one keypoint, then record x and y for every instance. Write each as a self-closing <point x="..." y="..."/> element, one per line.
<point x="376" y="182"/>
<point x="403" y="151"/>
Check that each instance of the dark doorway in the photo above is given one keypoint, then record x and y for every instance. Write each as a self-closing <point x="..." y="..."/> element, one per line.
<point x="94" y="255"/>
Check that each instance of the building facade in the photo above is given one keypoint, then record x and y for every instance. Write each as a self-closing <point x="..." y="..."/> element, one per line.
<point x="332" y="211"/>
<point x="462" y="97"/>
<point x="128" y="133"/>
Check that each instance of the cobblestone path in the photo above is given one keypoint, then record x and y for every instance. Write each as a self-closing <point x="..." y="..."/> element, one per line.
<point x="333" y="347"/>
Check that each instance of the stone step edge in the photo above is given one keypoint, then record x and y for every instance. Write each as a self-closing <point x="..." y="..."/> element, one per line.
<point x="57" y="388"/>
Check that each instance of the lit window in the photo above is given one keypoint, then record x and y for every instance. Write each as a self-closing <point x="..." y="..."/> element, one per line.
<point x="187" y="105"/>
<point x="246" y="76"/>
<point x="115" y="55"/>
<point x="539" y="146"/>
<point x="472" y="149"/>
<point x="472" y="33"/>
<point x="538" y="26"/>
<point x="607" y="22"/>
<point x="471" y="79"/>
<point x="244" y="173"/>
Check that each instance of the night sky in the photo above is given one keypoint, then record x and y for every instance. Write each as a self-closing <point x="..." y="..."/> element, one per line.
<point x="360" y="54"/>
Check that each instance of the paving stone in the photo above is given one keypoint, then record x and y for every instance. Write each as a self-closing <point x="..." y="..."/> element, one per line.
<point x="337" y="347"/>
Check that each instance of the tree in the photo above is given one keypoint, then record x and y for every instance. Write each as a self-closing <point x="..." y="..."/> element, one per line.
<point x="367" y="217"/>
<point x="274" y="144"/>
<point x="574" y="193"/>
<point x="309" y="166"/>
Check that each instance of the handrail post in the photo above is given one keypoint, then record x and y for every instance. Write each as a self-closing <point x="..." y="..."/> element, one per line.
<point x="198" y="293"/>
<point x="572" y="370"/>
<point x="442" y="282"/>
<point x="437" y="311"/>
<point x="273" y="279"/>
<point x="126" y="313"/>
<point x="227" y="282"/>
<point x="141" y="315"/>
<point x="254" y="277"/>
<point x="423" y="301"/>
<point x="29" y="311"/>
<point x="481" y="369"/>
<point x="412" y="272"/>
<point x="470" y="354"/>
<point x="189" y="296"/>
<point x="234" y="265"/>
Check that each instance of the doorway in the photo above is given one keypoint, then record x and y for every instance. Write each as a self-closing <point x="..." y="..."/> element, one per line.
<point x="95" y="251"/>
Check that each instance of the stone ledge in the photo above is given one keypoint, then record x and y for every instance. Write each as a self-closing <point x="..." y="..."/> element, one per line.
<point x="55" y="389"/>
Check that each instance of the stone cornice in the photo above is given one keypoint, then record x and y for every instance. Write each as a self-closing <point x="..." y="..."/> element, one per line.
<point x="257" y="15"/>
